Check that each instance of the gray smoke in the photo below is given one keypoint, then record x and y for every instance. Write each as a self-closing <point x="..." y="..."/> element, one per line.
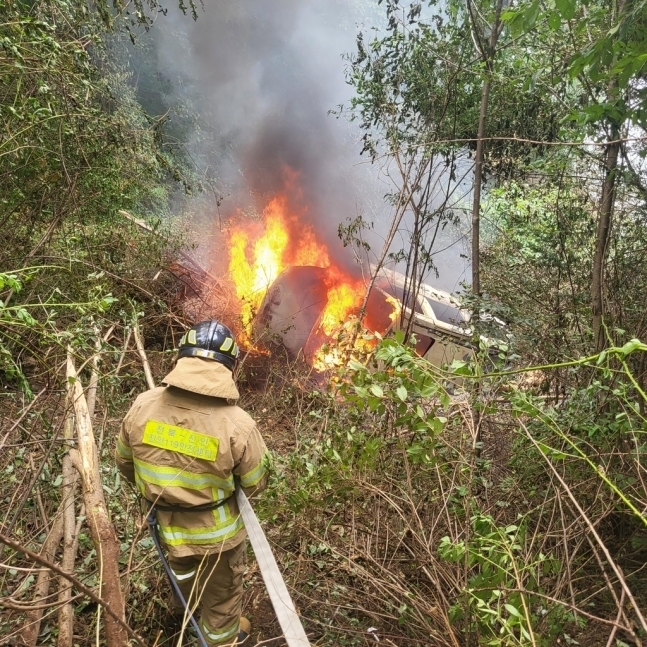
<point x="263" y="76"/>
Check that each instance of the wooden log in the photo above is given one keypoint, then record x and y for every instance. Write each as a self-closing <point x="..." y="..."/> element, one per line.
<point x="105" y="541"/>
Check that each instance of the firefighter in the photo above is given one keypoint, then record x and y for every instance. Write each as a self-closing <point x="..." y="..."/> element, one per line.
<point x="186" y="446"/>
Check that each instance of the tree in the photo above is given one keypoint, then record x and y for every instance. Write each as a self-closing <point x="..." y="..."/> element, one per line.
<point x="487" y="50"/>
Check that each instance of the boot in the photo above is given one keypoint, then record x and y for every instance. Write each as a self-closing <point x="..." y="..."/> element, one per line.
<point x="245" y="630"/>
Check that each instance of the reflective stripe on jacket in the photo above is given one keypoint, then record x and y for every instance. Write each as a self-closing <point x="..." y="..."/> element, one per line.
<point x="177" y="476"/>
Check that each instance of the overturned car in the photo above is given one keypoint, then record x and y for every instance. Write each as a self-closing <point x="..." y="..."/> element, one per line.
<point x="291" y="311"/>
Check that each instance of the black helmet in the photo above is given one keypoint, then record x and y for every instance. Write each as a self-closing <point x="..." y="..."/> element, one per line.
<point x="210" y="340"/>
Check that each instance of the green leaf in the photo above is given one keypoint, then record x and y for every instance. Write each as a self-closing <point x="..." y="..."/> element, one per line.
<point x="436" y="424"/>
<point x="460" y="368"/>
<point x="361" y="391"/>
<point x="554" y="21"/>
<point x="509" y="16"/>
<point x="356" y="366"/>
<point x="402" y="393"/>
<point x="566" y="8"/>
<point x="550" y="451"/>
<point x="24" y="316"/>
<point x="513" y="611"/>
<point x="517" y="25"/>
<point x="630" y="347"/>
<point x="376" y="389"/>
<point x="530" y="15"/>
<point x="106" y="302"/>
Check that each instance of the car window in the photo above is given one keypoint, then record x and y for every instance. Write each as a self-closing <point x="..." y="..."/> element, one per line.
<point x="398" y="292"/>
<point x="446" y="313"/>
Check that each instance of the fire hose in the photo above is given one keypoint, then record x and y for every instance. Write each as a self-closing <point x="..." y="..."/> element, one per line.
<point x="286" y="614"/>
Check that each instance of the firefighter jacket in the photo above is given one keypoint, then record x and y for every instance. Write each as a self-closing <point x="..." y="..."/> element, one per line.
<point x="186" y="444"/>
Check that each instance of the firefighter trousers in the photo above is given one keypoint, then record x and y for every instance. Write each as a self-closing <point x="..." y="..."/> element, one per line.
<point x="215" y="583"/>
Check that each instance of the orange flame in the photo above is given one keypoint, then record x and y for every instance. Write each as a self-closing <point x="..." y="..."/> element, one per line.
<point x="343" y="299"/>
<point x="397" y="308"/>
<point x="256" y="261"/>
<point x="259" y="253"/>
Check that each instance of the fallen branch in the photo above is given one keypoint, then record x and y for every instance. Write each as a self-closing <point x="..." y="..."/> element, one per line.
<point x="94" y="375"/>
<point x="70" y="477"/>
<point x="77" y="583"/>
<point x="146" y="227"/>
<point x="10" y="603"/>
<point x="142" y="353"/>
<point x="31" y="627"/>
<point x="123" y="352"/>
<point x="101" y="528"/>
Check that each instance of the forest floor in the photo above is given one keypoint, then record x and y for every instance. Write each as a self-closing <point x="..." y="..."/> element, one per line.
<point x="358" y="546"/>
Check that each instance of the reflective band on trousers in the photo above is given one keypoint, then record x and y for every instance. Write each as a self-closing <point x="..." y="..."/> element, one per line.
<point x="180" y="577"/>
<point x="212" y="636"/>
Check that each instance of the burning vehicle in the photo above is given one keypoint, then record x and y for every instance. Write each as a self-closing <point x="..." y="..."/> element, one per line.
<point x="292" y="309"/>
<point x="292" y="292"/>
<point x="313" y="288"/>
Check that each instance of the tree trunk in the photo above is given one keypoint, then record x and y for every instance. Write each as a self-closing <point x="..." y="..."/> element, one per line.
<point x="488" y="57"/>
<point x="602" y="239"/>
<point x="607" y="200"/>
<point x="103" y="535"/>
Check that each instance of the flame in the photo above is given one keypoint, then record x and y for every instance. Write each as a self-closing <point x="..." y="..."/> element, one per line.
<point x="256" y="261"/>
<point x="261" y="251"/>
<point x="342" y="299"/>
<point x="397" y="307"/>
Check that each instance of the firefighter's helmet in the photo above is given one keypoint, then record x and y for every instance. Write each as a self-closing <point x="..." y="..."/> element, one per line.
<point x="210" y="340"/>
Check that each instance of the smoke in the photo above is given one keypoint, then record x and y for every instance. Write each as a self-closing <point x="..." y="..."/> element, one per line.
<point x="263" y="76"/>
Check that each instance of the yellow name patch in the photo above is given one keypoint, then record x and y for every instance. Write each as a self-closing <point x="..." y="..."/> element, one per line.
<point x="183" y="441"/>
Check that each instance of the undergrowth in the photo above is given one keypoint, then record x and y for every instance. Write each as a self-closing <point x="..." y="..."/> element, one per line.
<point x="394" y="522"/>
